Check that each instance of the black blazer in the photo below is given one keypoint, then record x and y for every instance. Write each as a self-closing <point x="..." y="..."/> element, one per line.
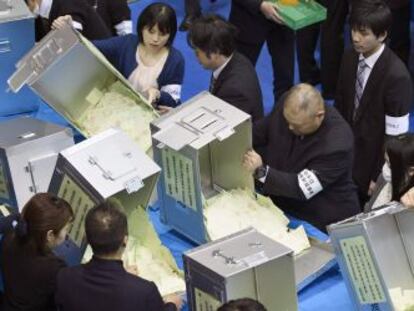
<point x="238" y="85"/>
<point x="29" y="278"/>
<point x="388" y="91"/>
<point x="327" y="153"/>
<point x="105" y="285"/>
<point x="94" y="27"/>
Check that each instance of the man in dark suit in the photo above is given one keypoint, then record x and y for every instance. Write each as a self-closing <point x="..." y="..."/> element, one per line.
<point x="374" y="91"/>
<point x="234" y="78"/>
<point x="306" y="163"/>
<point x="83" y="17"/>
<point x="258" y="22"/>
<point x="103" y="283"/>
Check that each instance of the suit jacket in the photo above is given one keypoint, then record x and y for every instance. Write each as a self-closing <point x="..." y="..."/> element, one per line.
<point x="253" y="26"/>
<point x="298" y="165"/>
<point x="105" y="285"/>
<point x="388" y="92"/>
<point x="238" y="85"/>
<point x="94" y="27"/>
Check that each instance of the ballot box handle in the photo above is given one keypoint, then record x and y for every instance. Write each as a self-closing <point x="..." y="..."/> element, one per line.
<point x="5" y="45"/>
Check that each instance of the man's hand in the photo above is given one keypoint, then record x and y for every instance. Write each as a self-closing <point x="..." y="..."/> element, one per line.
<point x="133" y="269"/>
<point x="408" y="198"/>
<point x="62" y="21"/>
<point x="252" y="160"/>
<point x="270" y="11"/>
<point x="372" y="186"/>
<point x="175" y="299"/>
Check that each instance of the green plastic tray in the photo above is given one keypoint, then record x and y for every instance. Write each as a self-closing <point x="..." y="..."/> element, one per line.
<point x="304" y="14"/>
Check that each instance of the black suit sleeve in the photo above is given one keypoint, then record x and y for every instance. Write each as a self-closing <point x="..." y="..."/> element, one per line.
<point x="119" y="11"/>
<point x="318" y="175"/>
<point x="155" y="302"/>
<point x="261" y="132"/>
<point x="251" y="5"/>
<point x="339" y="90"/>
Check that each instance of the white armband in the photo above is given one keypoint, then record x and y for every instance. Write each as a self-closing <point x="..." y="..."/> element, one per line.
<point x="78" y="26"/>
<point x="124" y="28"/>
<point x="397" y="125"/>
<point x="174" y="90"/>
<point x="309" y="183"/>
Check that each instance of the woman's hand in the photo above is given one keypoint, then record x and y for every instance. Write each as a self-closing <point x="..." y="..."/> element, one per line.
<point x="62" y="21"/>
<point x="163" y="109"/>
<point x="175" y="299"/>
<point x="153" y="95"/>
<point x="408" y="198"/>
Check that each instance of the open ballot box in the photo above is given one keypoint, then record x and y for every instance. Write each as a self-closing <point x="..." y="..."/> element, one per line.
<point x="245" y="264"/>
<point x="375" y="252"/>
<point x="17" y="37"/>
<point x="109" y="166"/>
<point x="74" y="78"/>
<point x="28" y="152"/>
<point x="300" y="13"/>
<point x="204" y="191"/>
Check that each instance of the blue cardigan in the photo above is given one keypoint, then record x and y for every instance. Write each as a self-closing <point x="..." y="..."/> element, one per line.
<point x="121" y="52"/>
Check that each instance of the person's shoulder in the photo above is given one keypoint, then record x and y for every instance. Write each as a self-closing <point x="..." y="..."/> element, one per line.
<point x="396" y="67"/>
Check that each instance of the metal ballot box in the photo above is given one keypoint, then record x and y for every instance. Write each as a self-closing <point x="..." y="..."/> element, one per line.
<point x="28" y="152"/>
<point x="17" y="37"/>
<point x="200" y="146"/>
<point x="74" y="78"/>
<point x="245" y="264"/>
<point x="108" y="165"/>
<point x="375" y="252"/>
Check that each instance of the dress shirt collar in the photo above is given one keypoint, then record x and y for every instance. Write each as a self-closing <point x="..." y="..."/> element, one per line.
<point x="217" y="72"/>
<point x="371" y="60"/>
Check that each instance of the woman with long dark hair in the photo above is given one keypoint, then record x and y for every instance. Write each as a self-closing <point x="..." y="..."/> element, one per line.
<point x="28" y="264"/>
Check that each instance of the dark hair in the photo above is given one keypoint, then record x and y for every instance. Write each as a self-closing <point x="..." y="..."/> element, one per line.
<point x="160" y="14"/>
<point x="106" y="227"/>
<point x="43" y="212"/>
<point x="212" y="34"/>
<point x="243" y="304"/>
<point x="400" y="151"/>
<point x="371" y="14"/>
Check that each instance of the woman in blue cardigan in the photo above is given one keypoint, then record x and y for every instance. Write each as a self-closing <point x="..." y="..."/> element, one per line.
<point x="148" y="60"/>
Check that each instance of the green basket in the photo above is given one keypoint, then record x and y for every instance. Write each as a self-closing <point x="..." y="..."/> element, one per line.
<point x="304" y="14"/>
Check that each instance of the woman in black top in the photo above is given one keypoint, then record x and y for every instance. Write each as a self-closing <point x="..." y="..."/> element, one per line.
<point x="28" y="265"/>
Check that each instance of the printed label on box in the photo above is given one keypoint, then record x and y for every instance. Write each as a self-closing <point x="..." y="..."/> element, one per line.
<point x="178" y="171"/>
<point x="204" y="301"/>
<point x="363" y="273"/>
<point x="4" y="191"/>
<point x="81" y="203"/>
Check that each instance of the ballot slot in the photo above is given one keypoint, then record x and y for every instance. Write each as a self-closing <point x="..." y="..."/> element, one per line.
<point x="374" y="252"/>
<point x="111" y="167"/>
<point x="74" y="78"/>
<point x="28" y="153"/>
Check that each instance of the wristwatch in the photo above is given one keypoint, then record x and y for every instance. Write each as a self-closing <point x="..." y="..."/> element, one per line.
<point x="260" y="172"/>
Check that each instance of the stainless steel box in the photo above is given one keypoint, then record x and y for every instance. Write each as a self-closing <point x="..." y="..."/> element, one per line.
<point x="245" y="264"/>
<point x="28" y="152"/>
<point x="200" y="146"/>
<point x="375" y="252"/>
<point x="106" y="166"/>
<point x="17" y="37"/>
<point x="72" y="76"/>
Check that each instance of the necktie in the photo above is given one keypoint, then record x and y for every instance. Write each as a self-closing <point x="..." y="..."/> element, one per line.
<point x="359" y="84"/>
<point x="212" y="83"/>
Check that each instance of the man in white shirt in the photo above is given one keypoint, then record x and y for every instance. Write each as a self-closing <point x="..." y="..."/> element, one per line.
<point x="374" y="91"/>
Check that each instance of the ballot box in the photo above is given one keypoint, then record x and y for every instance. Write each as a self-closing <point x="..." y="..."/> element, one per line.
<point x="110" y="166"/>
<point x="298" y="14"/>
<point x="17" y="37"/>
<point x="28" y="152"/>
<point x="245" y="264"/>
<point x="375" y="252"/>
<point x="204" y="191"/>
<point x="75" y="79"/>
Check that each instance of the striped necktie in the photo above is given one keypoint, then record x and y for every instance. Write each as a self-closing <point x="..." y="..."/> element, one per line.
<point x="212" y="83"/>
<point x="359" y="84"/>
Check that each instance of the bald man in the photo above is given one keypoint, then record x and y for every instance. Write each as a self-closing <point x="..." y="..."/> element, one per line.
<point x="306" y="165"/>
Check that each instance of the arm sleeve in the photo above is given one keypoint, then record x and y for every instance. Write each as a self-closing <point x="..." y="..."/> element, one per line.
<point x="110" y="48"/>
<point x="251" y="5"/>
<point x="155" y="302"/>
<point x="260" y="132"/>
<point x="317" y="176"/>
<point x="339" y="90"/>
<point x="120" y="14"/>
<point x="170" y="94"/>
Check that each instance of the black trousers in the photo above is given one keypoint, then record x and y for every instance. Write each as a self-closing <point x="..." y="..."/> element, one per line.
<point x="281" y="45"/>
<point x="192" y="7"/>
<point x="400" y="32"/>
<point x="306" y="42"/>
